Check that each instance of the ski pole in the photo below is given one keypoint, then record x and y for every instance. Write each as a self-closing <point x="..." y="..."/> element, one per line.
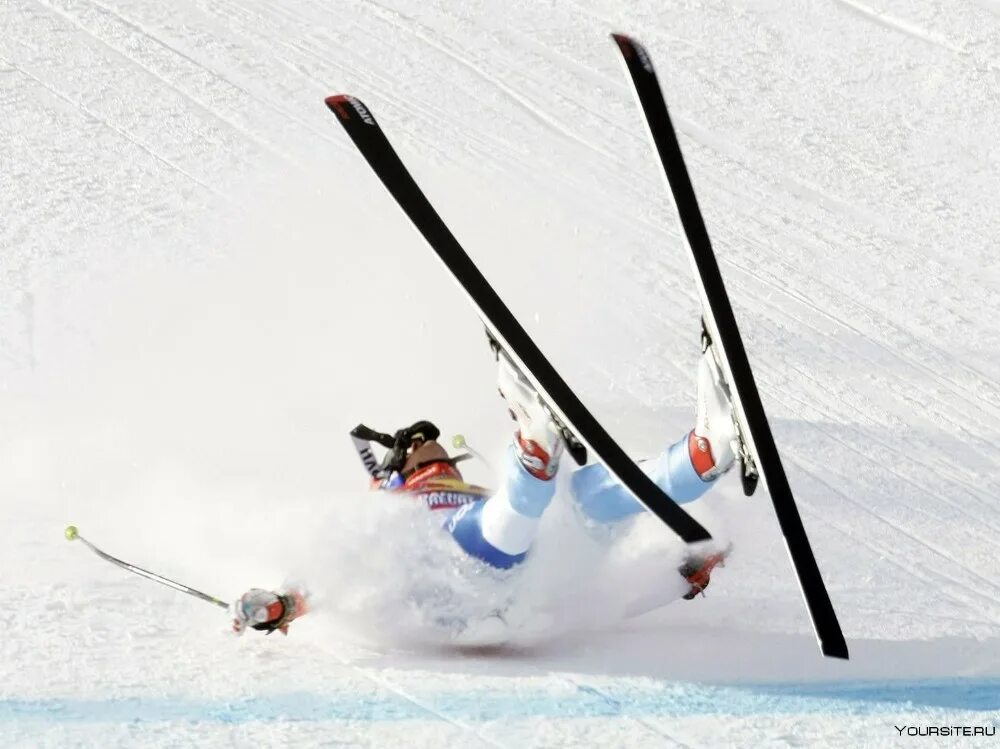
<point x="73" y="534"/>
<point x="459" y="443"/>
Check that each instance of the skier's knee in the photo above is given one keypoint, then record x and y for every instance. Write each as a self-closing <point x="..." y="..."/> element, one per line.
<point x="501" y="540"/>
<point x="500" y="530"/>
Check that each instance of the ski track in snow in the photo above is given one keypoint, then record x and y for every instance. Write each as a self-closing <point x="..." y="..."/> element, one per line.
<point x="844" y="156"/>
<point x="900" y="25"/>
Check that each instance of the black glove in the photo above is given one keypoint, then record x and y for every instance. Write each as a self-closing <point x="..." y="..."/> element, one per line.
<point x="364" y="433"/>
<point x="398" y="444"/>
<point x="422" y="430"/>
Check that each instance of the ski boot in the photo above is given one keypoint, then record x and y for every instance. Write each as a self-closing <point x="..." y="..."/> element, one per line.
<point x="717" y="440"/>
<point x="541" y="435"/>
<point x="537" y="441"/>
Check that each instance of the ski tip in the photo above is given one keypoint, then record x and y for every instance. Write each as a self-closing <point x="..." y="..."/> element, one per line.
<point x="627" y="44"/>
<point x="631" y="50"/>
<point x="622" y="40"/>
<point x="348" y="108"/>
<point x="336" y="100"/>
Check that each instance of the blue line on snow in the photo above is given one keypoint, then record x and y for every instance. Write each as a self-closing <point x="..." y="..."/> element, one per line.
<point x="670" y="699"/>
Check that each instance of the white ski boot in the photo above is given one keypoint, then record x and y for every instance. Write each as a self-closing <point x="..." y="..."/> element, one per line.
<point x="715" y="441"/>
<point x="537" y="442"/>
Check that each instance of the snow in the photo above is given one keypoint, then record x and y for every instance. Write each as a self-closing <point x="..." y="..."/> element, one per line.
<point x="204" y="288"/>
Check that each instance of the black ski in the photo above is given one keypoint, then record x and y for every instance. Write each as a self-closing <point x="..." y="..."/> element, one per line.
<point x="360" y="125"/>
<point x="725" y="334"/>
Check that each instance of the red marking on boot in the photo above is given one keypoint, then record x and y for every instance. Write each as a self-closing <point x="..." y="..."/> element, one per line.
<point x="700" y="450"/>
<point x="534" y="458"/>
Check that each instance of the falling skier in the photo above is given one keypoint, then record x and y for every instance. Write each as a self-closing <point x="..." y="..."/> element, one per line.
<point x="498" y="529"/>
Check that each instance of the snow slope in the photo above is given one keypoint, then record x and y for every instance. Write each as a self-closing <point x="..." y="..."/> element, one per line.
<point x="204" y="288"/>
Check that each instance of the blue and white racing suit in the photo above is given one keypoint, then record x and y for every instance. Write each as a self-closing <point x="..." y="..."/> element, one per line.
<point x="500" y="530"/>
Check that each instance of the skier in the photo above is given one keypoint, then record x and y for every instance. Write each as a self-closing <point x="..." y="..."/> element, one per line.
<point x="499" y="528"/>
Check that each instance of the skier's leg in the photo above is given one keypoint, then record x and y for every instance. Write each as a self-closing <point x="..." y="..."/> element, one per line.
<point x="685" y="471"/>
<point x="601" y="497"/>
<point x="500" y="530"/>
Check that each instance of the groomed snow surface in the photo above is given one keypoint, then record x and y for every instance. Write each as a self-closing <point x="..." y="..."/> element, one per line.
<point x="204" y="288"/>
